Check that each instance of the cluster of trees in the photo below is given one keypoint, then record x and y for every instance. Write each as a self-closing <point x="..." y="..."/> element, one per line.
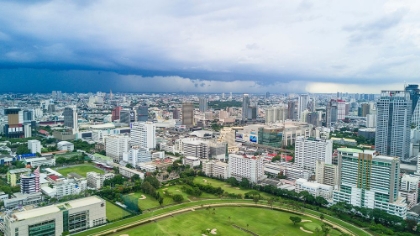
<point x="194" y="191"/>
<point x="116" y="180"/>
<point x="83" y="145"/>
<point x="244" y="183"/>
<point x="375" y="219"/>
<point x="76" y="159"/>
<point x="178" y="198"/>
<point x="223" y="104"/>
<point x="22" y="149"/>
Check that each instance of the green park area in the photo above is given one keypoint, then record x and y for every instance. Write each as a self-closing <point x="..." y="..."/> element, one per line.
<point x="231" y="221"/>
<point x="79" y="169"/>
<point x="114" y="212"/>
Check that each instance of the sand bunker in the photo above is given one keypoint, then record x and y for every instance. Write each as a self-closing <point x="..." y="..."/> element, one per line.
<point x="306" y="221"/>
<point x="205" y="181"/>
<point x="142" y="197"/>
<point x="237" y="188"/>
<point x="124" y="235"/>
<point x="306" y="231"/>
<point x="165" y="189"/>
<point x="213" y="231"/>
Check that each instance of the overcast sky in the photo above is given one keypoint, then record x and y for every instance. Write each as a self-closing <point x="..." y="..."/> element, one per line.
<point x="209" y="46"/>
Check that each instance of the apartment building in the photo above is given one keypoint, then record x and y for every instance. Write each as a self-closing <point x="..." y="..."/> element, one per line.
<point x="242" y="166"/>
<point x="96" y="180"/>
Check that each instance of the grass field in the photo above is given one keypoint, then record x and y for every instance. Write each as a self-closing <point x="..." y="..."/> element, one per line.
<point x="79" y="169"/>
<point x="226" y="187"/>
<point x="114" y="212"/>
<point x="259" y="221"/>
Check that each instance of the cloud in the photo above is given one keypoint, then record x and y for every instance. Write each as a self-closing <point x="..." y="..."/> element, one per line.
<point x="260" y="44"/>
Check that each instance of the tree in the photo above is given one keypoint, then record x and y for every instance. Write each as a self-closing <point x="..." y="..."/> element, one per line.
<point x="270" y="202"/>
<point x="135" y="177"/>
<point x="321" y="216"/>
<point x="160" y="201"/>
<point x="232" y="181"/>
<point x="178" y="198"/>
<point x="256" y="199"/>
<point x="129" y="166"/>
<point x="22" y="149"/>
<point x="244" y="183"/>
<point x="295" y="219"/>
<point x="325" y="229"/>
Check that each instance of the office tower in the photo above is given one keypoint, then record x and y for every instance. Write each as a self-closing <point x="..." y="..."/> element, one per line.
<point x="175" y="114"/>
<point x="371" y="121"/>
<point x="367" y="179"/>
<point x="267" y="95"/>
<point x="291" y="113"/>
<point x="142" y="113"/>
<point x="309" y="150"/>
<point x="14" y="126"/>
<point x="28" y="116"/>
<point x="365" y="109"/>
<point x="116" y="113"/>
<point x="115" y="146"/>
<point x="414" y="92"/>
<point x="125" y="116"/>
<point x="188" y="114"/>
<point x="245" y="106"/>
<point x="393" y="124"/>
<point x="35" y="146"/>
<point x="70" y="118"/>
<point x="30" y="183"/>
<point x="302" y="105"/>
<point x="196" y="148"/>
<point x="252" y="113"/>
<point x="312" y="118"/>
<point x="143" y="135"/>
<point x="251" y="168"/>
<point x="331" y="113"/>
<point x="203" y="104"/>
<point x="341" y="110"/>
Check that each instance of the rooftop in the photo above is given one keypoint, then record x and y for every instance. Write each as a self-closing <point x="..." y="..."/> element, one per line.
<point x="21" y="170"/>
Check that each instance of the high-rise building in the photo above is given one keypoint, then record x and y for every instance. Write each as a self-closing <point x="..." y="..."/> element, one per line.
<point x="302" y="105"/>
<point x="175" y="114"/>
<point x="371" y="121"/>
<point x="137" y="155"/>
<point x="331" y="113"/>
<point x="367" y="179"/>
<point x="30" y="183"/>
<point x="70" y="118"/>
<point x="196" y="148"/>
<point x="188" y="114"/>
<point x="251" y="168"/>
<point x="267" y="95"/>
<point x="309" y="150"/>
<point x="326" y="173"/>
<point x="245" y="106"/>
<point x="341" y="110"/>
<point x="14" y="126"/>
<point x="393" y="124"/>
<point x="203" y="104"/>
<point x="115" y="146"/>
<point x="143" y="135"/>
<point x="410" y="189"/>
<point x="364" y="109"/>
<point x="142" y="113"/>
<point x="125" y="116"/>
<point x="414" y="92"/>
<point x="116" y="113"/>
<point x="291" y="110"/>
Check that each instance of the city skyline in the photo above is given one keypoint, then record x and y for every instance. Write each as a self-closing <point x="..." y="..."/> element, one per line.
<point x="305" y="46"/>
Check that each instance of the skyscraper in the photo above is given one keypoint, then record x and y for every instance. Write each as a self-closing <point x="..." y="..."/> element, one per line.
<point x="291" y="114"/>
<point x="125" y="116"/>
<point x="414" y="92"/>
<point x="70" y="118"/>
<point x="116" y="113"/>
<point x="188" y="114"/>
<point x="14" y="126"/>
<point x="142" y="113"/>
<point x="393" y="124"/>
<point x="203" y="104"/>
<point x="302" y="105"/>
<point x="143" y="135"/>
<point x="245" y="106"/>
<point x="331" y="113"/>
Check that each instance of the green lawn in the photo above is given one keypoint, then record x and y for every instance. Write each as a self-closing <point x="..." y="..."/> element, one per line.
<point x="225" y="186"/>
<point x="257" y="220"/>
<point x="79" y="169"/>
<point x="114" y="212"/>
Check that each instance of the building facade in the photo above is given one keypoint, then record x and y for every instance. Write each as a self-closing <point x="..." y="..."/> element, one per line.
<point x="115" y="146"/>
<point x="143" y="135"/>
<point x="251" y="168"/>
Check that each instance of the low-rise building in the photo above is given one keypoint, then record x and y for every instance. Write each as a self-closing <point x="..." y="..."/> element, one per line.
<point x="314" y="188"/>
<point x="19" y="200"/>
<point x="35" y="146"/>
<point x="217" y="169"/>
<point x="146" y="167"/>
<point x="96" y="180"/>
<point x="64" y="187"/>
<point x="65" y="146"/>
<point x="410" y="189"/>
<point x="72" y="216"/>
<point x="127" y="172"/>
<point x="40" y="161"/>
<point x="191" y="161"/>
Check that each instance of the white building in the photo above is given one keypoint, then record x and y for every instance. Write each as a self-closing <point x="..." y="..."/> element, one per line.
<point x="40" y="161"/>
<point x="143" y="135"/>
<point x="290" y="170"/>
<point x="64" y="187"/>
<point x="216" y="169"/>
<point x="35" y="146"/>
<point x="146" y="167"/>
<point x="72" y="216"/>
<point x="371" y="121"/>
<point x="65" y="146"/>
<point x="246" y="167"/>
<point x="409" y="189"/>
<point x="127" y="172"/>
<point x="158" y="155"/>
<point x="315" y="189"/>
<point x="191" y="161"/>
<point x="309" y="150"/>
<point x="116" y="146"/>
<point x="137" y="155"/>
<point x="326" y="174"/>
<point x="96" y="180"/>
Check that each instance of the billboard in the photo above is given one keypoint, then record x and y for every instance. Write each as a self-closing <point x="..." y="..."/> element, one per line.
<point x="253" y="139"/>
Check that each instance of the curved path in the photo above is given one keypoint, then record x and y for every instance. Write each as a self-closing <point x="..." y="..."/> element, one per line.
<point x="172" y="213"/>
